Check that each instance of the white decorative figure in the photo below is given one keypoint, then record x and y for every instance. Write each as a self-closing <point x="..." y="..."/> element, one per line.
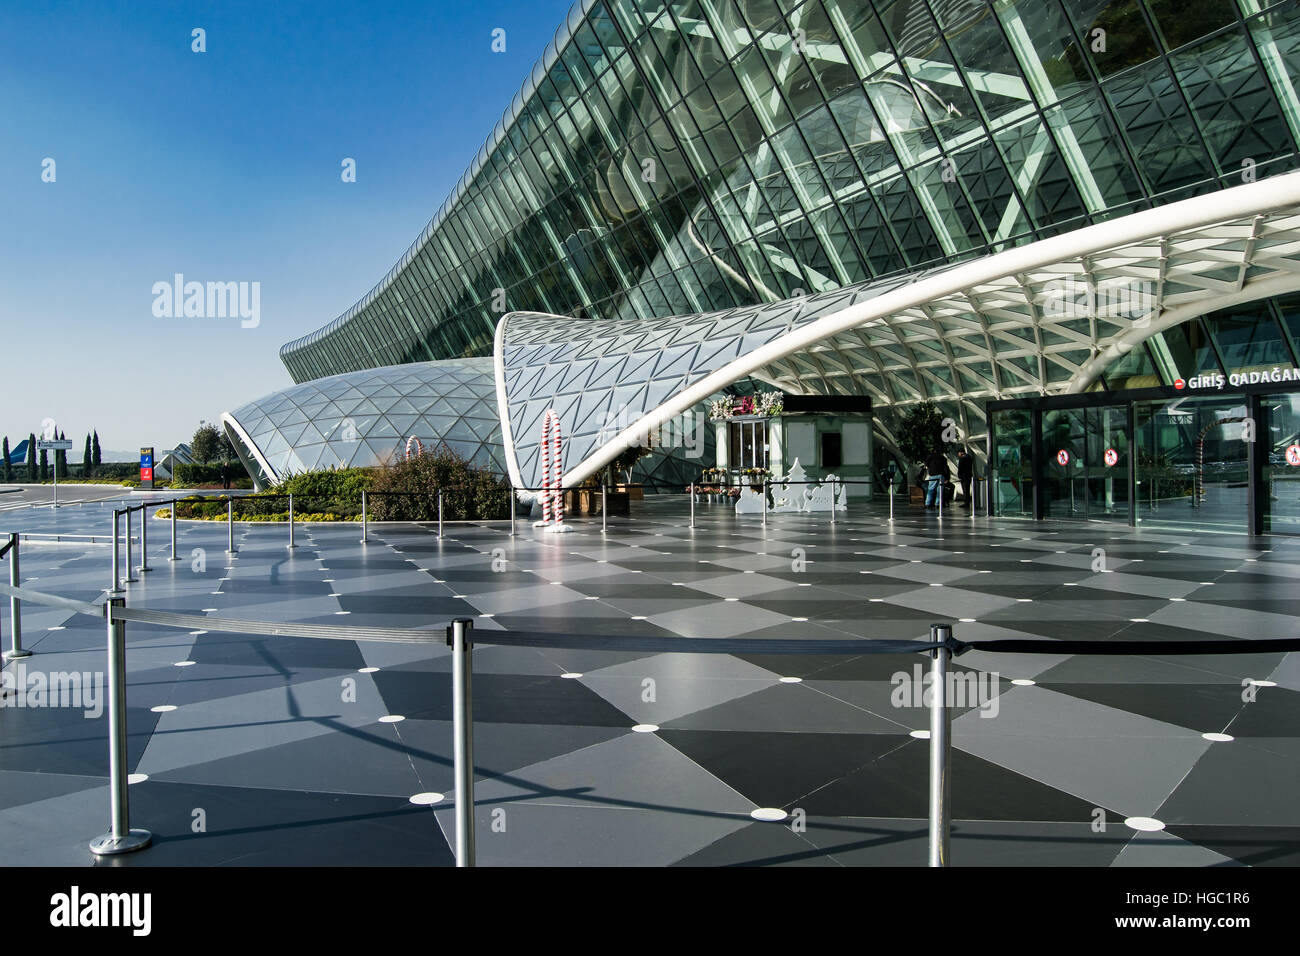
<point x="788" y="494"/>
<point x="750" y="501"/>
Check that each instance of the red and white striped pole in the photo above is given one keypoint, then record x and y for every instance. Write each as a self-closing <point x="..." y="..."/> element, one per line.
<point x="552" y="470"/>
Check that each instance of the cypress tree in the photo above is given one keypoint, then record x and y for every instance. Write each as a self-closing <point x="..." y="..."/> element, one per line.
<point x="61" y="459"/>
<point x="8" y="468"/>
<point x="31" y="457"/>
<point x="94" y="452"/>
<point x="85" y="459"/>
<point x="45" y="465"/>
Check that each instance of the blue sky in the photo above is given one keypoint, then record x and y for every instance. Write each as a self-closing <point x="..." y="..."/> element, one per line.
<point x="223" y="166"/>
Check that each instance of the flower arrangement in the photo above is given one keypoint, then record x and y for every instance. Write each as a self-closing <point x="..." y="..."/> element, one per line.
<point x="756" y="474"/>
<point x="767" y="404"/>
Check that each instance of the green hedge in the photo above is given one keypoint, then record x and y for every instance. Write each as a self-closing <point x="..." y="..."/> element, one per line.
<point x="469" y="493"/>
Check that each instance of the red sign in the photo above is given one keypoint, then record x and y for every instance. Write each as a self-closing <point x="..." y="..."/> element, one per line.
<point x="1111" y="457"/>
<point x="1179" y="384"/>
<point x="1293" y="455"/>
<point x="146" y="474"/>
<point x="1062" y="457"/>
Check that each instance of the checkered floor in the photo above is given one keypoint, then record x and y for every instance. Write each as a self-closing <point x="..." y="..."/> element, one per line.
<point x="265" y="750"/>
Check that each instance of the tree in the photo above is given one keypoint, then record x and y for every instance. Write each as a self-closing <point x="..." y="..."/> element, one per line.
<point x="920" y="432"/>
<point x="61" y="458"/>
<point x="227" y="449"/>
<point x="206" y="443"/>
<point x="7" y="468"/>
<point x="45" y="465"/>
<point x="86" y="459"/>
<point x="94" y="451"/>
<point x="31" y="457"/>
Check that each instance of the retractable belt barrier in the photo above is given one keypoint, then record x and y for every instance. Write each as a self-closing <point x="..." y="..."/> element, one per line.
<point x="941" y="647"/>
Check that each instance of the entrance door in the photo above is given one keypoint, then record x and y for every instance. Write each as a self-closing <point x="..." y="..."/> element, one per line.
<point x="1065" y="484"/>
<point x="1105" y="463"/>
<point x="1192" y="463"/>
<point x="1279" y="456"/>
<point x="1012" y="463"/>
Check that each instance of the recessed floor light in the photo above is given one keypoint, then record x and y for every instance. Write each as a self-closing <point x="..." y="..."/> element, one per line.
<point x="769" y="814"/>
<point x="876" y="600"/>
<point x="163" y="708"/>
<point x="731" y="599"/>
<point x="391" y="718"/>
<point x="487" y="615"/>
<point x="920" y="734"/>
<point x="1144" y="824"/>
<point x="966" y="620"/>
<point x="798" y="618"/>
<point x="1219" y="738"/>
<point x="426" y="799"/>
<point x="639" y="617"/>
<point x="1024" y="682"/>
<point x="1260" y="683"/>
<point x="184" y="663"/>
<point x="56" y="627"/>
<point x="208" y="610"/>
<point x="791" y="680"/>
<point x="935" y="584"/>
<point x="646" y="728"/>
<point x="1024" y="600"/>
<point x="367" y="670"/>
<point x="571" y="675"/>
<point x="137" y="777"/>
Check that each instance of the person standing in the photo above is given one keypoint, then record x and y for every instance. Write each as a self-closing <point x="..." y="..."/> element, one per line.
<point x="965" y="472"/>
<point x="936" y="471"/>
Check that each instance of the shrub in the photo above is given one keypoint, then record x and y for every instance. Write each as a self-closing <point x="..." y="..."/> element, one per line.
<point x="468" y="492"/>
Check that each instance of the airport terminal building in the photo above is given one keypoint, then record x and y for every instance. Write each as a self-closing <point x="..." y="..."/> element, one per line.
<point x="1072" y="224"/>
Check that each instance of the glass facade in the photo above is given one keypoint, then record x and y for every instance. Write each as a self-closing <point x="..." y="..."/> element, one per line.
<point x="670" y="158"/>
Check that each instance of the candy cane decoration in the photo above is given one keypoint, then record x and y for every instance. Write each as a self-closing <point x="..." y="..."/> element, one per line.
<point x="552" y="454"/>
<point x="419" y="448"/>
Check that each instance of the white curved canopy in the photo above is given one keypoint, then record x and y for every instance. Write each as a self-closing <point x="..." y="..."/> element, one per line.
<point x="1042" y="318"/>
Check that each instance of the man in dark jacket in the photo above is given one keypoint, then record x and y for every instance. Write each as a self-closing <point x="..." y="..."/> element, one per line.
<point x="936" y="476"/>
<point x="965" y="472"/>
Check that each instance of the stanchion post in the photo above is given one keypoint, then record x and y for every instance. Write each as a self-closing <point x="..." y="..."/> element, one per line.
<point x="512" y="511"/>
<point x="173" y="557"/>
<point x="604" y="510"/>
<point x="439" y="512"/>
<point x="130" y="561"/>
<point x="363" y="517"/>
<point x="144" y="538"/>
<point x="230" y="525"/>
<point x="463" y="737"/>
<point x="762" y="490"/>
<point x="15" y="605"/>
<point x="121" y="838"/>
<point x="832" y="501"/>
<point x="692" y="490"/>
<point x="940" y="745"/>
<point x="291" y="544"/>
<point x="117" y="540"/>
<point x="891" y="499"/>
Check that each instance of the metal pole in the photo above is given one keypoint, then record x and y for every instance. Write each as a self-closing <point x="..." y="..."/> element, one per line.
<point x="121" y="838"/>
<point x="942" y="482"/>
<point x="230" y="525"/>
<point x="463" y="738"/>
<point x="144" y="538"/>
<point x="291" y="544"/>
<point x="512" y="511"/>
<point x="363" y="517"/>
<point x="56" y="478"/>
<point x="832" y="501"/>
<point x="15" y="605"/>
<point x="891" y="499"/>
<point x="117" y="538"/>
<point x="604" y="508"/>
<point x="130" y="570"/>
<point x="692" y="506"/>
<point x="940" y="746"/>
<point x="173" y="557"/>
<point x="762" y="490"/>
<point x="439" y="512"/>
